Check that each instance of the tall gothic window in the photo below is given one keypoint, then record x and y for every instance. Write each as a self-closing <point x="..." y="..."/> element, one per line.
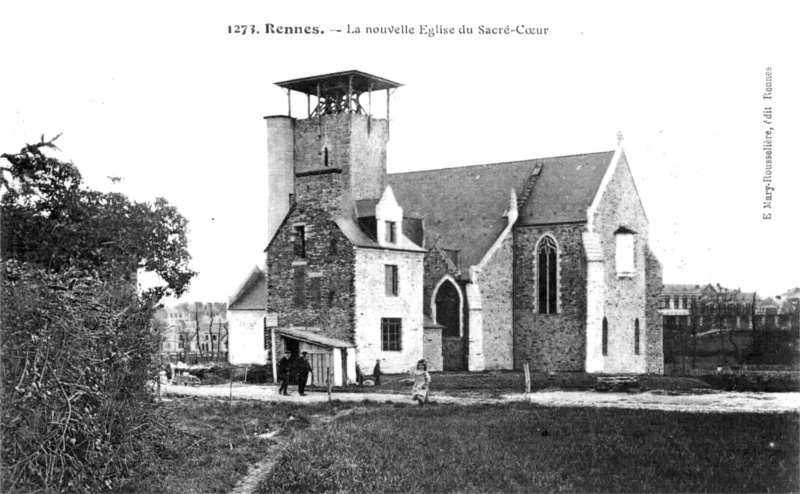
<point x="605" y="336"/>
<point x="547" y="262"/>
<point x="636" y="336"/>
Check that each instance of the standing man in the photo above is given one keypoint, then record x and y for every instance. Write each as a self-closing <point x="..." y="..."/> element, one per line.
<point x="283" y="374"/>
<point x="305" y="370"/>
<point x="376" y="372"/>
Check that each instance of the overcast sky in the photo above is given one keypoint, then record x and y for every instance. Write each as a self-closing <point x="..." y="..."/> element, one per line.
<point x="160" y="94"/>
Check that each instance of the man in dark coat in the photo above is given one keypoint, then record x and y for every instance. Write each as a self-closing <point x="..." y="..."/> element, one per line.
<point x="283" y="374"/>
<point x="376" y="372"/>
<point x="304" y="369"/>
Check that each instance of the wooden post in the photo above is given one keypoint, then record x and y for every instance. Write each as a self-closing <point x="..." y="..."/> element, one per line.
<point x="245" y="372"/>
<point x="319" y="106"/>
<point x="349" y="93"/>
<point x="272" y="345"/>
<point x="230" y="395"/>
<point x="527" y="380"/>
<point x="329" y="383"/>
<point x="289" y="95"/>
<point x="308" y="105"/>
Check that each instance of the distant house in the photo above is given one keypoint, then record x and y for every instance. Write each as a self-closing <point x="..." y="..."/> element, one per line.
<point x="189" y="329"/>
<point x="542" y="261"/>
<point x="706" y="307"/>
<point x="249" y="341"/>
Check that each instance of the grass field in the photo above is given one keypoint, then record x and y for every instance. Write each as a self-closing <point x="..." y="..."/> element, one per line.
<point x="378" y="447"/>
<point x="521" y="448"/>
<point x="214" y="444"/>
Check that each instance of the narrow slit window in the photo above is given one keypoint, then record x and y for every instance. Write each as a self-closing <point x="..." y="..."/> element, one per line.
<point x="391" y="280"/>
<point x="300" y="241"/>
<point x="391" y="232"/>
<point x="300" y="286"/>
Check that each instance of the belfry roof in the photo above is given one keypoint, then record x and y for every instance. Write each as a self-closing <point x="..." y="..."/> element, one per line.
<point x="361" y="82"/>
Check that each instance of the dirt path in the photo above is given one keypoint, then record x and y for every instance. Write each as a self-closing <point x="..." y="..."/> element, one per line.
<point x="248" y="483"/>
<point x="715" y="401"/>
<point x="257" y="472"/>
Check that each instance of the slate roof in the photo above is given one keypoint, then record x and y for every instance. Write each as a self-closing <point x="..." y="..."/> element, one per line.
<point x="678" y="289"/>
<point x="359" y="238"/>
<point x="464" y="206"/>
<point x="252" y="293"/>
<point x="565" y="188"/>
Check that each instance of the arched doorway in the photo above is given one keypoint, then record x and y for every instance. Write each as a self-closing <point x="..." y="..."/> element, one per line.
<point x="447" y="303"/>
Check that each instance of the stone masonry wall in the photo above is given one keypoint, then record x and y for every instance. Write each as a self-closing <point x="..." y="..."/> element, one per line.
<point x="436" y="268"/>
<point x="496" y="283"/>
<point x="454" y="349"/>
<point x="373" y="304"/>
<point x="368" y="162"/>
<point x="654" y="355"/>
<point x="323" y="191"/>
<point x="355" y="144"/>
<point x="333" y="313"/>
<point x="432" y="349"/>
<point x="550" y="342"/>
<point x="624" y="296"/>
<point x="312" y="136"/>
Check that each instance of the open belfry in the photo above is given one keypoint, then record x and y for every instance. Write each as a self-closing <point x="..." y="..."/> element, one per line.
<point x="542" y="261"/>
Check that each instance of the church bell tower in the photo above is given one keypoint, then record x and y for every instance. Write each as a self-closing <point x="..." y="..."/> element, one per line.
<point x="336" y="154"/>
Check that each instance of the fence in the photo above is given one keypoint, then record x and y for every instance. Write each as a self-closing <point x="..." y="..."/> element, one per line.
<point x="194" y="357"/>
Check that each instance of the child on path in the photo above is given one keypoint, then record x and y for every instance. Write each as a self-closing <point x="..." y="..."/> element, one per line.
<point x="422" y="382"/>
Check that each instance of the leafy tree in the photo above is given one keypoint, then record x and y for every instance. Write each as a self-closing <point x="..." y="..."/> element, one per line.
<point x="78" y="342"/>
<point x="51" y="220"/>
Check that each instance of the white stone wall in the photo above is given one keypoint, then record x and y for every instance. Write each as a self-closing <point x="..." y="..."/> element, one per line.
<point x="624" y="297"/>
<point x="280" y="170"/>
<point x="246" y="337"/>
<point x="372" y="304"/>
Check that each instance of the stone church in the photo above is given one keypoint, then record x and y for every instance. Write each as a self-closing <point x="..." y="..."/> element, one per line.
<point x="542" y="261"/>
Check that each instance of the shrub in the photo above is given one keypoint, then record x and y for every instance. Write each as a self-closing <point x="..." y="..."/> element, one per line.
<point x="76" y="357"/>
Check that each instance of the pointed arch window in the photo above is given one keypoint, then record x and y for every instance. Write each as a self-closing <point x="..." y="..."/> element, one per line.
<point x="547" y="274"/>
<point x="636" y="336"/>
<point x="605" y="336"/>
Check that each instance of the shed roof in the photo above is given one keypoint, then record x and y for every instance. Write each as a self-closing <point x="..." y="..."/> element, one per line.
<point x="314" y="338"/>
<point x="428" y="323"/>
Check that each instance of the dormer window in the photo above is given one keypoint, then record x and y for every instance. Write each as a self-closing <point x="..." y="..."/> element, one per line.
<point x="625" y="252"/>
<point x="391" y="232"/>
